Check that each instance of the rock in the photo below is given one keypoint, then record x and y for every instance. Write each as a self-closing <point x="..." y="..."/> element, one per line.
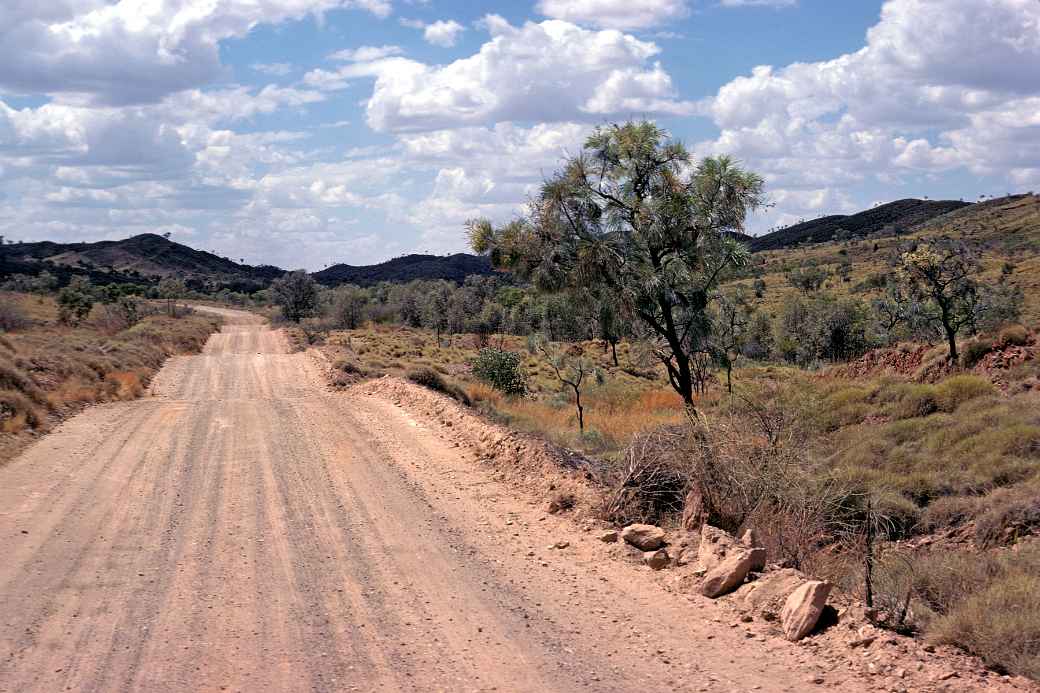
<point x="750" y="538"/>
<point x="768" y="594"/>
<point x="714" y="547"/>
<point x="645" y="537"/>
<point x="803" y="608"/>
<point x="730" y="573"/>
<point x="657" y="559"/>
<point x="609" y="536"/>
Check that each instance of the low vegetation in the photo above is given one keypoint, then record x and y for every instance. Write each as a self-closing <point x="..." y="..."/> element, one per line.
<point x="50" y="367"/>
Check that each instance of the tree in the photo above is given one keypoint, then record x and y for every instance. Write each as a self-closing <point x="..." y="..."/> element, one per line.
<point x="731" y="323"/>
<point x="939" y="278"/>
<point x="807" y="279"/>
<point x="632" y="216"/>
<point x="571" y="368"/>
<point x="296" y="294"/>
<point x="75" y="302"/>
<point x="348" y="306"/>
<point x="171" y="289"/>
<point x="435" y="308"/>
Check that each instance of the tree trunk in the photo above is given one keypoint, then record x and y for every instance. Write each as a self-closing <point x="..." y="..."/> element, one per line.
<point x="729" y="376"/>
<point x="951" y="333"/>
<point x="581" y="411"/>
<point x="613" y="352"/>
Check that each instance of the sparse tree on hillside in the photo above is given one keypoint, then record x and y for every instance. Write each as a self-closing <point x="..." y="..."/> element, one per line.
<point x="348" y="306"/>
<point x="629" y="215"/>
<point x="75" y="301"/>
<point x="939" y="280"/>
<point x="435" y="308"/>
<point x="807" y="279"/>
<point x="296" y="294"/>
<point x="171" y="289"/>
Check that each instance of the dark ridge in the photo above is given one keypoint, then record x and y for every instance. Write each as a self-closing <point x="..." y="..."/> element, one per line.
<point x="898" y="216"/>
<point x="407" y="268"/>
<point x="143" y="259"/>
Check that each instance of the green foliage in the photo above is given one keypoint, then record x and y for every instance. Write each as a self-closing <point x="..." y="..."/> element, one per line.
<point x="296" y="294"/>
<point x="631" y="217"/>
<point x="811" y="329"/>
<point x="75" y="302"/>
<point x="501" y="370"/>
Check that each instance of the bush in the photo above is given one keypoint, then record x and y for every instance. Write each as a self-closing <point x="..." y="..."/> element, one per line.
<point x="1010" y="514"/>
<point x="432" y="380"/>
<point x="501" y="370"/>
<point x="11" y="316"/>
<point x="1001" y="621"/>
<point x="975" y="350"/>
<point x="1013" y="335"/>
<point x="913" y="400"/>
<point x="953" y="392"/>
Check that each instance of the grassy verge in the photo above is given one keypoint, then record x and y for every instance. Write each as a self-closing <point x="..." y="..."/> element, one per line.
<point x="632" y="397"/>
<point x="48" y="370"/>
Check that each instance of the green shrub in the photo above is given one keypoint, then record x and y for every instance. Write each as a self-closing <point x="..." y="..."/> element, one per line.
<point x="501" y="370"/>
<point x="975" y="350"/>
<point x="952" y="392"/>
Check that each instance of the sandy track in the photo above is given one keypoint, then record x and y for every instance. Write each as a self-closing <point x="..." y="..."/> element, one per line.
<point x="243" y="529"/>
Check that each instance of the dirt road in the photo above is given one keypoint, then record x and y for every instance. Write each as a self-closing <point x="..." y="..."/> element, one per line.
<point x="244" y="529"/>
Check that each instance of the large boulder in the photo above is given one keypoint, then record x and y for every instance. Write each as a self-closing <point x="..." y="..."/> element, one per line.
<point x="715" y="546"/>
<point x="731" y="572"/>
<point x="644" y="537"/>
<point x="803" y="609"/>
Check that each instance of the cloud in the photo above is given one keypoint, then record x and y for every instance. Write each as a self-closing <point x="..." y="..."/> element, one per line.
<point x="131" y="52"/>
<point x="273" y="69"/>
<point x="939" y="85"/>
<point x="758" y="3"/>
<point x="443" y="33"/>
<point x="616" y="14"/>
<point x="552" y="71"/>
<point x="366" y="53"/>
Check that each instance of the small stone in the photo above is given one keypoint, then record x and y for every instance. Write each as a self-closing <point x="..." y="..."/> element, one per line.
<point x="609" y="536"/>
<point x="657" y="560"/>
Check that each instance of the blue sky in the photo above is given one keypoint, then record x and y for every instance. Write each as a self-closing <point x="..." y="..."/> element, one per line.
<point x="309" y="132"/>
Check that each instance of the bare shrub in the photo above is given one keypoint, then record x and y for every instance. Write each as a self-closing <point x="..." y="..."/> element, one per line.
<point x="12" y="317"/>
<point x="653" y="479"/>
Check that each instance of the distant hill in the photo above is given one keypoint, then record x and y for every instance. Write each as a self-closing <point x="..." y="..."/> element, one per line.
<point x="900" y="215"/>
<point x="144" y="258"/>
<point x="404" y="269"/>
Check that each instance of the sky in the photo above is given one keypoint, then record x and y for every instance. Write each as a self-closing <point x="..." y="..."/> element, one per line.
<point x="304" y="133"/>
